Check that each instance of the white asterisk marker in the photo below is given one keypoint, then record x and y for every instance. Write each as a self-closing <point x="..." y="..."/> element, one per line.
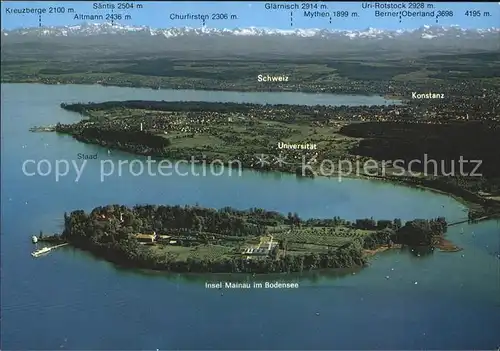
<point x="262" y="160"/>
<point x="280" y="160"/>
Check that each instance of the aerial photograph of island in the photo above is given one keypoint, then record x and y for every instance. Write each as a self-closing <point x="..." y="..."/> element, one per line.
<point x="250" y="175"/>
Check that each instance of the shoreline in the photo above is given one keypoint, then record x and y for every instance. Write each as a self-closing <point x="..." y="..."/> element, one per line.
<point x="387" y="179"/>
<point x="443" y="245"/>
<point x="382" y="248"/>
<point x="195" y="239"/>
<point x="478" y="204"/>
<point x="157" y="149"/>
<point x="270" y="89"/>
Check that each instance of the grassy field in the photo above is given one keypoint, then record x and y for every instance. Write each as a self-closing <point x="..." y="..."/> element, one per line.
<point x="298" y="241"/>
<point x="206" y="252"/>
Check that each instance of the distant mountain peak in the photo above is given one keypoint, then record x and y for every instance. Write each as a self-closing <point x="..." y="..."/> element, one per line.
<point x="94" y="29"/>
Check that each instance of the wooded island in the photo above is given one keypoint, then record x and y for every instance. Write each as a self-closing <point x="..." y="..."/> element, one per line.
<point x="198" y="239"/>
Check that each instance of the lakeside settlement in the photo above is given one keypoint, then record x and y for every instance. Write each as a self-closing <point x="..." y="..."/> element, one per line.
<point x="318" y="134"/>
<point x="196" y="239"/>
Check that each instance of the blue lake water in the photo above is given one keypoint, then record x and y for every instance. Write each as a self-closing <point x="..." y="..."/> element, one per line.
<point x="69" y="300"/>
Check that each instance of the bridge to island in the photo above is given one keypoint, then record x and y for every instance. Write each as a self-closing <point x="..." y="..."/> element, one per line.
<point x="483" y="218"/>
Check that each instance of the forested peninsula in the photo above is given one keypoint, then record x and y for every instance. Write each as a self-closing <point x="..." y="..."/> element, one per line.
<point x="198" y="239"/>
<point x="239" y="131"/>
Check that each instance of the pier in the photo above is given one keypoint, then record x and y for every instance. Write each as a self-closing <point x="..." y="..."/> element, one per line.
<point x="50" y="128"/>
<point x="45" y="250"/>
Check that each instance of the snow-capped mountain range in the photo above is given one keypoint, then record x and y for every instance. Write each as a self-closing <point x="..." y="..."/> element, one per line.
<point x="96" y="29"/>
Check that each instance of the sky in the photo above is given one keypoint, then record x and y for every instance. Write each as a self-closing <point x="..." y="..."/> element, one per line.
<point x="253" y="14"/>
